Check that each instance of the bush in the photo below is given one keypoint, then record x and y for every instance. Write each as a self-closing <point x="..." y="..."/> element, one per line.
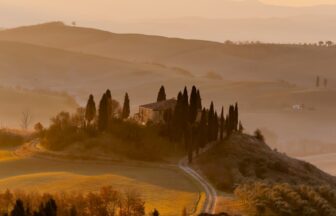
<point x="258" y="135"/>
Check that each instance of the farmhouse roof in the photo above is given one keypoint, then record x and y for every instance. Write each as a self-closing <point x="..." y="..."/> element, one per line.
<point x="162" y="105"/>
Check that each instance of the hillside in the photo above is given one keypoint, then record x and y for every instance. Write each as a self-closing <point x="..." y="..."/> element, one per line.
<point x="244" y="158"/>
<point x="33" y="66"/>
<point x="265" y="181"/>
<point x="297" y="64"/>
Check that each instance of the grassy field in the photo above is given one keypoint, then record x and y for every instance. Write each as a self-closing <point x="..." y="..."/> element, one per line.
<point x="166" y="189"/>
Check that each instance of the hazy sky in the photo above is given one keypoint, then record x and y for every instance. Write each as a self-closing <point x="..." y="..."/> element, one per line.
<point x="181" y="18"/>
<point x="107" y="10"/>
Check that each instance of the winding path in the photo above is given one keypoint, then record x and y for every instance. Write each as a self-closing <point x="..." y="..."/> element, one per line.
<point x="209" y="205"/>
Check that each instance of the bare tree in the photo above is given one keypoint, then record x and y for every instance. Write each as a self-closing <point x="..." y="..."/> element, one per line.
<point x="26" y="119"/>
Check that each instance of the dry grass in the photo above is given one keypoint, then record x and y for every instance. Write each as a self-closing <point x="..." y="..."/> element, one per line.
<point x="163" y="188"/>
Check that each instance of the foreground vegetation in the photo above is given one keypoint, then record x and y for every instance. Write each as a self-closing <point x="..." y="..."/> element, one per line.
<point x="288" y="199"/>
<point x="107" y="202"/>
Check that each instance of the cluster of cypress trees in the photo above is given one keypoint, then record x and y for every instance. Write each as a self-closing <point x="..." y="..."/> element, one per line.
<point x="194" y="125"/>
<point x="105" y="111"/>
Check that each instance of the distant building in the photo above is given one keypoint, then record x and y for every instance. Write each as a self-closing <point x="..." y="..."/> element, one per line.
<point x="154" y="112"/>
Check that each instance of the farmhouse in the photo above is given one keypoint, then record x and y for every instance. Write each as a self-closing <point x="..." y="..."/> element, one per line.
<point x="154" y="112"/>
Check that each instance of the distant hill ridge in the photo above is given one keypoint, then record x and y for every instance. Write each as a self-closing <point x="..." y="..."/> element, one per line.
<point x="293" y="63"/>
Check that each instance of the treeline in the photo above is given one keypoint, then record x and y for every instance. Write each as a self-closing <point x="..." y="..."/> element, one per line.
<point x="285" y="199"/>
<point x="107" y="201"/>
<point x="187" y="128"/>
<point x="196" y="126"/>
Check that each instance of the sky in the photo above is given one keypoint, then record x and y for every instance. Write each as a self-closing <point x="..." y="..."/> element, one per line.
<point x="107" y="10"/>
<point x="199" y="19"/>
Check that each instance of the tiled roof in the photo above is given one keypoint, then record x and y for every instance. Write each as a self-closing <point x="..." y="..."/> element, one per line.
<point x="162" y="105"/>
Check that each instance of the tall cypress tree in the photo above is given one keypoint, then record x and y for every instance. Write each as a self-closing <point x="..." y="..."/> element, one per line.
<point x="222" y="122"/>
<point x="103" y="113"/>
<point x="216" y="128"/>
<point x="193" y="105"/>
<point x="199" y="100"/>
<point x="178" y="118"/>
<point x="126" y="107"/>
<point x="108" y="106"/>
<point x="90" y="111"/>
<point x="185" y="101"/>
<point x="231" y="120"/>
<point x="203" y="129"/>
<point x="161" y="95"/>
<point x="236" y="117"/>
<point x="211" y="116"/>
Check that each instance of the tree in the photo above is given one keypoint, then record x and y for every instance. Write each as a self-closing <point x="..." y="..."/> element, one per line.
<point x="109" y="106"/>
<point x="241" y="128"/>
<point x="193" y="109"/>
<point x="38" y="127"/>
<point x="90" y="110"/>
<point x="178" y="118"/>
<point x="325" y="82"/>
<point x="199" y="100"/>
<point x="258" y="135"/>
<point x="211" y="116"/>
<point x="103" y="113"/>
<point x="216" y="128"/>
<point x="26" y="119"/>
<point x="203" y="130"/>
<point x="222" y="122"/>
<point x="18" y="209"/>
<point x="236" y="117"/>
<point x="329" y="43"/>
<point x="126" y="107"/>
<point x="161" y="95"/>
<point x="155" y="213"/>
<point x="317" y="81"/>
<point x="321" y="43"/>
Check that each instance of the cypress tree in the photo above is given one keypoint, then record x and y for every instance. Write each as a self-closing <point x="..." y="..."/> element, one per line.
<point x="90" y="111"/>
<point x="236" y="118"/>
<point x="126" y="107"/>
<point x="203" y="130"/>
<point x="185" y="105"/>
<point x="231" y="120"/>
<point x="241" y="128"/>
<point x="216" y="128"/>
<point x="178" y="117"/>
<point x="211" y="116"/>
<point x="161" y="95"/>
<point x="103" y="113"/>
<point x="199" y="100"/>
<point x="193" y="105"/>
<point x="222" y="122"/>
<point x="108" y="106"/>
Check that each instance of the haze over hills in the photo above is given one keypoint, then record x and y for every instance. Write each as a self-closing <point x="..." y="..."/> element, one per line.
<point x="265" y="62"/>
<point x="266" y="80"/>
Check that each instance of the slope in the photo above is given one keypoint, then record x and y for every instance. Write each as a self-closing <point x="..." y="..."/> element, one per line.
<point x="294" y="63"/>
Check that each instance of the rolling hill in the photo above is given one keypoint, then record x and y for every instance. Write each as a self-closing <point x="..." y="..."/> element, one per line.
<point x="293" y="63"/>
<point x="266" y="80"/>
